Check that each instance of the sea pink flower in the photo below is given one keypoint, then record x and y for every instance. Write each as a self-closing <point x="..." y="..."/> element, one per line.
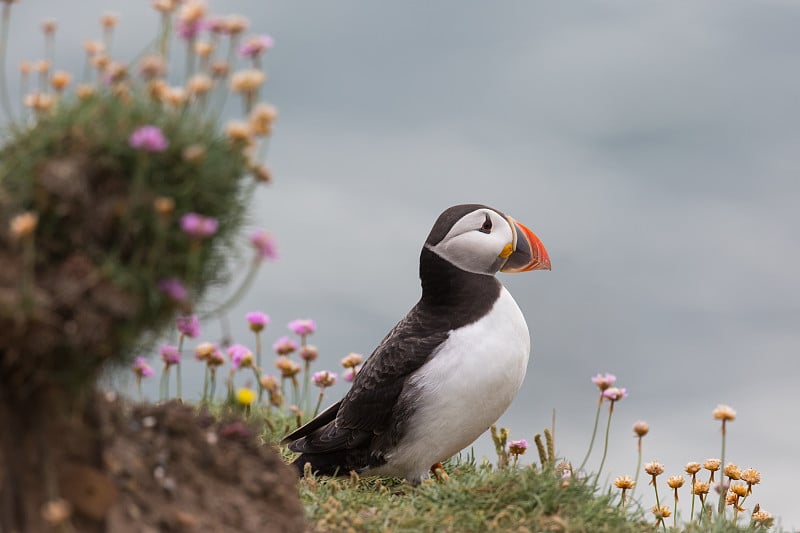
<point x="199" y="226"/>
<point x="170" y="355"/>
<point x="149" y="139"/>
<point x="350" y="375"/>
<point x="604" y="381"/>
<point x="141" y="368"/>
<point x="264" y="244"/>
<point x="241" y="356"/>
<point x="188" y="29"/>
<point x="614" y="394"/>
<point x="303" y="326"/>
<point x="517" y="447"/>
<point x="257" y="320"/>
<point x="188" y="325"/>
<point x="324" y="378"/>
<point x="254" y="46"/>
<point x="174" y="289"/>
<point x="284" y="346"/>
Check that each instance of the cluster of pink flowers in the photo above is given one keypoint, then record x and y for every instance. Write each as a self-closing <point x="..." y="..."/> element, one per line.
<point x="148" y="139"/>
<point x="198" y="226"/>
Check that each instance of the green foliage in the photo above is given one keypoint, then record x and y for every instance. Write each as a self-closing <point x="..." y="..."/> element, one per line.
<point x="101" y="246"/>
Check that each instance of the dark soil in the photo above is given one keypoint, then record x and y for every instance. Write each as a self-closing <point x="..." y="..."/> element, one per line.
<point x="146" y="468"/>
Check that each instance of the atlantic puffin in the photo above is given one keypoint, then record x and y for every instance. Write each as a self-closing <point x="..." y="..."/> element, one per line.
<point x="447" y="370"/>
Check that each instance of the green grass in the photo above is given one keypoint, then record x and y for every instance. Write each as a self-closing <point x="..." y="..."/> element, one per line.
<point x="477" y="497"/>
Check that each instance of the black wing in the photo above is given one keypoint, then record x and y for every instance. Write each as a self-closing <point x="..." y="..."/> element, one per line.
<point x="367" y="409"/>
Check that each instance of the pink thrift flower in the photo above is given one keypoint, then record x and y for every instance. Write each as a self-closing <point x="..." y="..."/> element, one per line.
<point x="188" y="29"/>
<point x="241" y="356"/>
<point x="614" y="394"/>
<point x="517" y="447"/>
<point x="257" y="320"/>
<point x="349" y="376"/>
<point x="188" y="325"/>
<point x="254" y="46"/>
<point x="264" y="245"/>
<point x="149" y="139"/>
<point x="199" y="226"/>
<point x="174" y="289"/>
<point x="170" y="355"/>
<point x="303" y="327"/>
<point x="604" y="381"/>
<point x="284" y="346"/>
<point x="324" y="378"/>
<point x="141" y="368"/>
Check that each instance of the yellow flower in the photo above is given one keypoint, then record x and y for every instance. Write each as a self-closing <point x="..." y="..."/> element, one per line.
<point x="692" y="468"/>
<point x="740" y="489"/>
<point x="654" y="468"/>
<point x="238" y="131"/>
<point x="732" y="471"/>
<point x="247" y="80"/>
<point x="751" y="476"/>
<point x="60" y="80"/>
<point x="245" y="396"/>
<point x="624" y="482"/>
<point x="352" y="360"/>
<point x="675" y="482"/>
<point x="724" y="412"/>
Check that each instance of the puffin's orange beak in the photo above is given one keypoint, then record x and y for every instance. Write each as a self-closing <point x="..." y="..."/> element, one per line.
<point x="529" y="252"/>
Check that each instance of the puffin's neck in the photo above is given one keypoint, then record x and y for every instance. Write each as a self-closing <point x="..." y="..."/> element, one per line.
<point x="447" y="286"/>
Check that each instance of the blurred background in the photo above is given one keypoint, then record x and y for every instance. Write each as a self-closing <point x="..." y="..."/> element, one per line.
<point x="653" y="147"/>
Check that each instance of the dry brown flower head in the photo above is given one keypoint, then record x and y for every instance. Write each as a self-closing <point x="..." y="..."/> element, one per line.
<point x="49" y="26"/>
<point x="84" y="91"/>
<point x="219" y="69"/>
<point x="740" y="489"/>
<point x="23" y="225"/>
<point x="164" y="6"/>
<point x="261" y="173"/>
<point x="194" y="153"/>
<point x="109" y="20"/>
<point x="624" y="482"/>
<point x="641" y="428"/>
<point x="269" y="383"/>
<point x="94" y="47"/>
<point x="675" y="482"/>
<point x="751" y="476"/>
<point x="42" y="67"/>
<point x="661" y="512"/>
<point x="724" y="412"/>
<point x="701" y="487"/>
<point x="25" y="68"/>
<point x="236" y="24"/>
<point x="732" y="471"/>
<point x="199" y="84"/>
<point x="692" y="468"/>
<point x="152" y="66"/>
<point x="352" y="360"/>
<point x="238" y="131"/>
<point x="762" y="518"/>
<point x="247" y="80"/>
<point x="60" y="79"/>
<point x="192" y="10"/>
<point x="712" y="465"/>
<point x="654" y="468"/>
<point x="203" y="48"/>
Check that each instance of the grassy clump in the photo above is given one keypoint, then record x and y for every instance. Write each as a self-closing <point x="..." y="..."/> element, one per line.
<point x="476" y="498"/>
<point x="80" y="290"/>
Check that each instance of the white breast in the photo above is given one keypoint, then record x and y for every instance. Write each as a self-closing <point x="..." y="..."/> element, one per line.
<point x="463" y="389"/>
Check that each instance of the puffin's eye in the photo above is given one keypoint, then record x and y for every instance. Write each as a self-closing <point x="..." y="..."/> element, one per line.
<point x="487" y="225"/>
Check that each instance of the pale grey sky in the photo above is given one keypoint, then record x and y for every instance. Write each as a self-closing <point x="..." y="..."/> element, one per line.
<point x="653" y="146"/>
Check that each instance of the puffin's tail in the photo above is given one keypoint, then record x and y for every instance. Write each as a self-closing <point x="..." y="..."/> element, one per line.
<point x="325" y="464"/>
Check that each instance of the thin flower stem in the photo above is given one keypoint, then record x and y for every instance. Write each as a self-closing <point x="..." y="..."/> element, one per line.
<point x="139" y="387"/>
<point x="691" y="513"/>
<point x="605" y="447"/>
<point x="594" y="433"/>
<point x="258" y="364"/>
<point x="638" y="467"/>
<point x="212" y="384"/>
<point x="658" y="501"/>
<point x="722" y="490"/>
<point x="205" y="386"/>
<point x="675" y="513"/>
<point x="178" y="367"/>
<point x="319" y="402"/>
<point x="306" y="385"/>
<point x="295" y="390"/>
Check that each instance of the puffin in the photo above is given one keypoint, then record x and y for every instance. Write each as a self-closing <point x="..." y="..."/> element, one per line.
<point x="448" y="370"/>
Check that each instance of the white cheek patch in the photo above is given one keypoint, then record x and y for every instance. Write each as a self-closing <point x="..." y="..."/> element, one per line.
<point x="472" y="250"/>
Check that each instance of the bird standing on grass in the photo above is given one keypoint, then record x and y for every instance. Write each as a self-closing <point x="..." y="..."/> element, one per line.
<point x="447" y="370"/>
